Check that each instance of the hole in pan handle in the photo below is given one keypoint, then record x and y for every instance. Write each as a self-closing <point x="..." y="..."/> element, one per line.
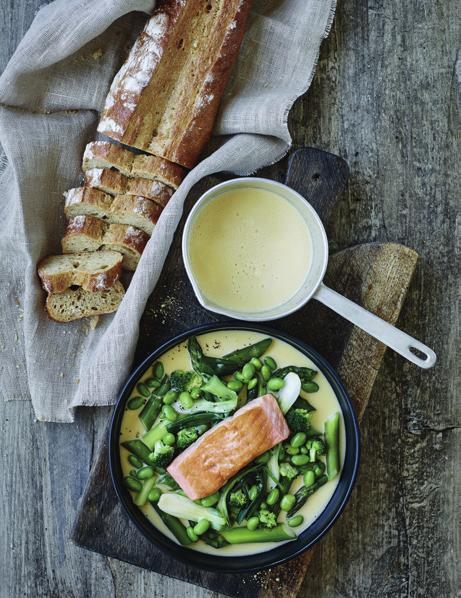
<point x="396" y="339"/>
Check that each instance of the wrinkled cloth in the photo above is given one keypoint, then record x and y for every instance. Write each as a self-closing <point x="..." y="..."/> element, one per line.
<point x="50" y="94"/>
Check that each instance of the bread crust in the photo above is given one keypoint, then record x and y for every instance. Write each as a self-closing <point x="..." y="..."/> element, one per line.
<point x="153" y="190"/>
<point x="183" y="60"/>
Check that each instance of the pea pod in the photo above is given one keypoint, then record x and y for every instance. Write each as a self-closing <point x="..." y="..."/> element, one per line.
<point x="174" y="525"/>
<point x="194" y="419"/>
<point x="138" y="448"/>
<point x="246" y="353"/>
<point x="303" y="494"/>
<point x="222" y="504"/>
<point x="305" y="374"/>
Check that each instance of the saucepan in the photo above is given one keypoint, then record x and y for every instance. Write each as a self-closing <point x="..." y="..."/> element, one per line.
<point x="313" y="286"/>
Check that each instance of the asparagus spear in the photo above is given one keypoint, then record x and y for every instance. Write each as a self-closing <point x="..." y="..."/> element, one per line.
<point x="242" y="535"/>
<point x="332" y="440"/>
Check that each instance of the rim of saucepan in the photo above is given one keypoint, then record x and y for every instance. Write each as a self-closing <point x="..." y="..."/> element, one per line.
<point x="284" y="552"/>
<point x="251" y="316"/>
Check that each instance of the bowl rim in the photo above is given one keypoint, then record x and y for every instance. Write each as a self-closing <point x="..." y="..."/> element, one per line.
<point x="279" y="554"/>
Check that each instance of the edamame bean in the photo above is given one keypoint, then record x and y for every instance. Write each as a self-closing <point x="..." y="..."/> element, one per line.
<point x="287" y="502"/>
<point x="170" y="413"/>
<point x="252" y="383"/>
<point x="266" y="372"/>
<point x="154" y="495"/>
<point x="169" y="439"/>
<point x="210" y="501"/>
<point x="298" y="440"/>
<point x="170" y="397"/>
<point x="132" y="473"/>
<point x="263" y="506"/>
<point x="318" y="470"/>
<point x="192" y="535"/>
<point x="303" y="450"/>
<point x="135" y="403"/>
<point x="273" y="496"/>
<point x="132" y="484"/>
<point x="201" y="527"/>
<point x="300" y="459"/>
<point x="134" y="461"/>
<point x="295" y="521"/>
<point x="256" y="363"/>
<point x="239" y="376"/>
<point x="291" y="450"/>
<point x="310" y="386"/>
<point x="152" y="383"/>
<point x="253" y="492"/>
<point x="264" y="458"/>
<point x="195" y="393"/>
<point x="162" y="390"/>
<point x="309" y="478"/>
<point x="270" y="363"/>
<point x="248" y="371"/>
<point x="143" y="390"/>
<point x="186" y="400"/>
<point x="235" y="385"/>
<point x="275" y="384"/>
<point x="145" y="473"/>
<point x="158" y="370"/>
<point x="252" y="523"/>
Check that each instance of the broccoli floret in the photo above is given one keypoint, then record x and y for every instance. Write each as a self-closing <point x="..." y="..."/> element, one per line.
<point x="162" y="455"/>
<point x="298" y="420"/>
<point x="218" y="389"/>
<point x="238" y="499"/>
<point x="181" y="381"/>
<point x="316" y="449"/>
<point x="267" y="518"/>
<point x="288" y="471"/>
<point x="186" y="437"/>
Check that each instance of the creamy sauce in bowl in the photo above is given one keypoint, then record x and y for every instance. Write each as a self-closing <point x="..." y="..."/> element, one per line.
<point x="249" y="250"/>
<point x="324" y="401"/>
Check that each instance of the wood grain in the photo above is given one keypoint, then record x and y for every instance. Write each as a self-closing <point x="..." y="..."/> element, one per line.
<point x="386" y="98"/>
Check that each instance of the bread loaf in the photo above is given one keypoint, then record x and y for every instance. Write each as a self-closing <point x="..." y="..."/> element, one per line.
<point x="133" y="210"/>
<point x="74" y="304"/>
<point x="165" y="98"/>
<point x="86" y="233"/>
<point x="92" y="271"/>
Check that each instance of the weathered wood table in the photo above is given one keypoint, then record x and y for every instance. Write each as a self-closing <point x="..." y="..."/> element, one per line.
<point x="386" y="97"/>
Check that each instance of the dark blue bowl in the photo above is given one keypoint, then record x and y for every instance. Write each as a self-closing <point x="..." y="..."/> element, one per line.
<point x="280" y="554"/>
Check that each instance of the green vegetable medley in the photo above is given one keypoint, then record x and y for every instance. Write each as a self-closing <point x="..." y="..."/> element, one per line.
<point x="177" y="409"/>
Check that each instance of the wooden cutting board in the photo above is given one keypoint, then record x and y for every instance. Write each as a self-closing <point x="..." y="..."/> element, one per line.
<point x="375" y="275"/>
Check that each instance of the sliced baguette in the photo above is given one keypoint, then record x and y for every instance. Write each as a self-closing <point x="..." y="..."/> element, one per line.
<point x="92" y="271"/>
<point x="86" y="233"/>
<point x="74" y="304"/>
<point x="104" y="154"/>
<point x="133" y="210"/>
<point x="115" y="183"/>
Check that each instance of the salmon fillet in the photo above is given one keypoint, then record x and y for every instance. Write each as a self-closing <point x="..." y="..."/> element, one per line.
<point x="224" y="450"/>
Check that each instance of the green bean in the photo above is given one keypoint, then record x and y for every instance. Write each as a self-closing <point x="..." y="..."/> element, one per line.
<point x="169" y="439"/>
<point x="152" y="383"/>
<point x="158" y="370"/>
<point x="296" y="521"/>
<point x="210" y="501"/>
<point x="132" y="484"/>
<point x="270" y="363"/>
<point x="135" y="403"/>
<point x="273" y="496"/>
<point x="142" y="389"/>
<point x="154" y="495"/>
<point x="170" y="397"/>
<point x="275" y="384"/>
<point x="145" y="473"/>
<point x="256" y="363"/>
<point x="248" y="371"/>
<point x="332" y="442"/>
<point x="252" y="383"/>
<point x="287" y="502"/>
<point x="309" y="478"/>
<point x="170" y="413"/>
<point x="201" y="527"/>
<point x="298" y="440"/>
<point x="133" y="460"/>
<point x="300" y="459"/>
<point x="266" y="372"/>
<point x="186" y="400"/>
<point x="235" y="385"/>
<point x="252" y="523"/>
<point x="192" y="535"/>
<point x="310" y="386"/>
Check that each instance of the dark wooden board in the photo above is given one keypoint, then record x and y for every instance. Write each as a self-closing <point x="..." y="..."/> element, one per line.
<point x="375" y="275"/>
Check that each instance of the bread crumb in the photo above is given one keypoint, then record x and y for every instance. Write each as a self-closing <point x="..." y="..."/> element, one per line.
<point x="94" y="322"/>
<point x="97" y="54"/>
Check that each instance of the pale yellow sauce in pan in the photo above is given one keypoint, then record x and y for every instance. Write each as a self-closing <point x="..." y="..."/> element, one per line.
<point x="325" y="402"/>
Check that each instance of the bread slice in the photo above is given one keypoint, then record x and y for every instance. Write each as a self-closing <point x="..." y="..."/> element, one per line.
<point x="104" y="154"/>
<point x="165" y="98"/>
<point x="115" y="183"/>
<point x="86" y="233"/>
<point x="133" y="210"/>
<point x="92" y="271"/>
<point x="74" y="304"/>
